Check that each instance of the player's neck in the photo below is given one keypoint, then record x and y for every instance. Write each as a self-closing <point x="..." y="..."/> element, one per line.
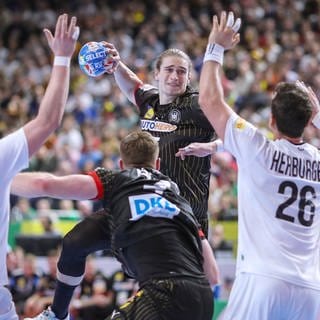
<point x="297" y="140"/>
<point x="165" y="99"/>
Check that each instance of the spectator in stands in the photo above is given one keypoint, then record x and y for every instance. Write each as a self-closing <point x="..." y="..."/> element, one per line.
<point x="123" y="287"/>
<point x="85" y="208"/>
<point x="94" y="297"/>
<point x="218" y="241"/>
<point x="44" y="291"/>
<point x="23" y="282"/>
<point x="22" y="210"/>
<point x="47" y="225"/>
<point x="45" y="159"/>
<point x="12" y="261"/>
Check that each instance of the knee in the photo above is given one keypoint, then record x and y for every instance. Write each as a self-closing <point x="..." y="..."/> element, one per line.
<point x="71" y="243"/>
<point x="73" y="256"/>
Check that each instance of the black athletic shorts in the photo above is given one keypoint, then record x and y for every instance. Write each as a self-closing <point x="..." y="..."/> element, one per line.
<point x="169" y="299"/>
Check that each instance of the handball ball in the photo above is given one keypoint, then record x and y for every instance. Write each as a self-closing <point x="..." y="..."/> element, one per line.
<point x="94" y="59"/>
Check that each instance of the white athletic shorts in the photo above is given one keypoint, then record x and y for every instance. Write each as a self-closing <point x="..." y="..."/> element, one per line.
<point x="255" y="297"/>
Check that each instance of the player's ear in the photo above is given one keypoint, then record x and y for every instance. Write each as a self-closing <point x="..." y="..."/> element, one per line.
<point x="189" y="77"/>
<point x="272" y="122"/>
<point x="310" y="121"/>
<point x="121" y="164"/>
<point x="158" y="164"/>
<point x="156" y="74"/>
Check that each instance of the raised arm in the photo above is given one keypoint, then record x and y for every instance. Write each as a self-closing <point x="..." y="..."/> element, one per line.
<point x="43" y="184"/>
<point x="52" y="105"/>
<point x="223" y="36"/>
<point x="126" y="79"/>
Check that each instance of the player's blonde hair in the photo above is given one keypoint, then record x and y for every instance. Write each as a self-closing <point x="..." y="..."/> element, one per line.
<point x="139" y="149"/>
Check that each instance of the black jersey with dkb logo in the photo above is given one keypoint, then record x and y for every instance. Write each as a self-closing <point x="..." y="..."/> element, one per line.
<point x="176" y="125"/>
<point x="153" y="227"/>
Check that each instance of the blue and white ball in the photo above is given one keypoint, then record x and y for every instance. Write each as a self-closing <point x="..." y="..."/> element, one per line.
<point x="93" y="59"/>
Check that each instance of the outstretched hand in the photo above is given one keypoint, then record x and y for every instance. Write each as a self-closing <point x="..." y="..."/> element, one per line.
<point x="225" y="32"/>
<point x="197" y="149"/>
<point x="63" y="42"/>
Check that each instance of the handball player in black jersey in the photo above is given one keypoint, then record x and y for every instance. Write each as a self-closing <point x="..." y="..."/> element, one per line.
<point x="171" y="113"/>
<point x="148" y="227"/>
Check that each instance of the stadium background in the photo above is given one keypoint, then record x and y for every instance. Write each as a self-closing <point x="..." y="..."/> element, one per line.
<point x="279" y="42"/>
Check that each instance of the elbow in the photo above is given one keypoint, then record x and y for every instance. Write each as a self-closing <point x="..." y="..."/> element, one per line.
<point x="43" y="184"/>
<point x="49" y="124"/>
<point x="53" y="124"/>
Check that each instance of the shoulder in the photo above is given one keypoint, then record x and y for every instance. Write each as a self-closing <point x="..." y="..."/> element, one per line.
<point x="146" y="97"/>
<point x="146" y="91"/>
<point x="14" y="138"/>
<point x="14" y="150"/>
<point x="239" y="125"/>
<point x="191" y="95"/>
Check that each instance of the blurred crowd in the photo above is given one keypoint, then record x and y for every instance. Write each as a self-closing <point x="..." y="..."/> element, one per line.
<point x="279" y="42"/>
<point x="32" y="287"/>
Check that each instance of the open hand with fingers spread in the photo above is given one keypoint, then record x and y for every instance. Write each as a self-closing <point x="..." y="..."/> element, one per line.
<point x="63" y="42"/>
<point x="223" y="36"/>
<point x="225" y="33"/>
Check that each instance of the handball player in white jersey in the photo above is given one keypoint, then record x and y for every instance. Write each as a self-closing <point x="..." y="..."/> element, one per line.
<point x="278" y="260"/>
<point x="17" y="147"/>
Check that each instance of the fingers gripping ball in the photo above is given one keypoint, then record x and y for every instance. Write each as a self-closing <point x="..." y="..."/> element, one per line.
<point x="94" y="59"/>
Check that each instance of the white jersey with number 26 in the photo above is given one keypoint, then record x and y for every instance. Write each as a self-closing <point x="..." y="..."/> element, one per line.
<point x="278" y="205"/>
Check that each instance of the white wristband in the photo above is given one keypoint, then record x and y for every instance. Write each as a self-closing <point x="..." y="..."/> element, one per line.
<point x="316" y="120"/>
<point x="214" y="52"/>
<point x="61" y="61"/>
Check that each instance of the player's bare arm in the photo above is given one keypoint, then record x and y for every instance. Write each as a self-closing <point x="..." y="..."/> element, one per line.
<point x="62" y="44"/>
<point x="126" y="79"/>
<point x="223" y="36"/>
<point x="200" y="149"/>
<point x="210" y="265"/>
<point x="43" y="184"/>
